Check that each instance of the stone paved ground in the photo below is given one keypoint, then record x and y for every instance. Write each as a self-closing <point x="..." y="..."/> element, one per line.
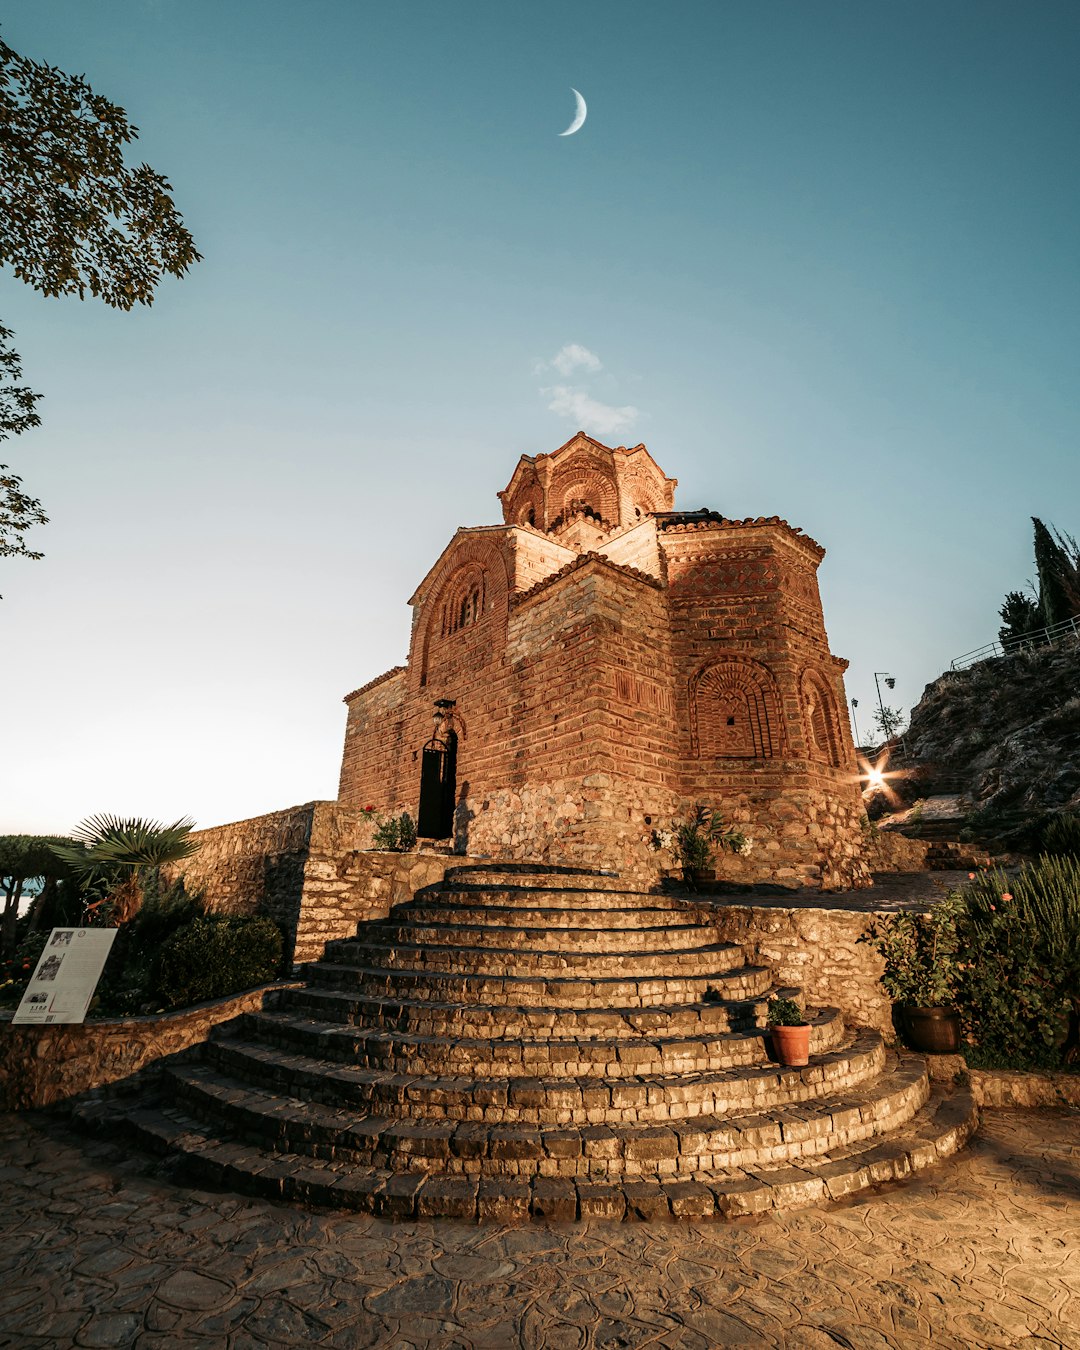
<point x="890" y="891"/>
<point x="98" y="1250"/>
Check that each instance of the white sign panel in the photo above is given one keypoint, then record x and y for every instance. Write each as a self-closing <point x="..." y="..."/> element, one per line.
<point x="66" y="975"/>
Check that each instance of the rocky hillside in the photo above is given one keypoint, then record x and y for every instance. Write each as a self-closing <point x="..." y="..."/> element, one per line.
<point x="1006" y="733"/>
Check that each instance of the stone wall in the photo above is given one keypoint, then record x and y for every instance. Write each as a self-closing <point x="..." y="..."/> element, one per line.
<point x="310" y="868"/>
<point x="41" y="1065"/>
<point x="888" y="851"/>
<point x="817" y="949"/>
<point x="343" y="890"/>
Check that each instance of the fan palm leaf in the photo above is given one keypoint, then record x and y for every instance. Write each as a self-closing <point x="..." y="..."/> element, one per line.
<point x="106" y="841"/>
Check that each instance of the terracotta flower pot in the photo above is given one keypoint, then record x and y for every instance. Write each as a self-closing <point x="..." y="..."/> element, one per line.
<point x="934" y="1031"/>
<point x="792" y="1044"/>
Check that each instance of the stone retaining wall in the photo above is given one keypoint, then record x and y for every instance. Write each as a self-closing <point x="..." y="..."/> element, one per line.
<point x="817" y="949"/>
<point x="310" y="868"/>
<point x="41" y="1065"/>
<point x="349" y="888"/>
<point x="1008" y="1089"/>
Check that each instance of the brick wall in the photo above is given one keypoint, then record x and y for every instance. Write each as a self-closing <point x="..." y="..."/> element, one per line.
<point x="599" y="695"/>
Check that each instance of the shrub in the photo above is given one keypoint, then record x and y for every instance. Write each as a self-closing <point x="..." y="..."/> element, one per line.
<point x="212" y="957"/>
<point x="1061" y="835"/>
<point x="1018" y="979"/>
<point x="920" y="952"/>
<point x="785" y="1012"/>
<point x="397" y="834"/>
<point x="130" y="980"/>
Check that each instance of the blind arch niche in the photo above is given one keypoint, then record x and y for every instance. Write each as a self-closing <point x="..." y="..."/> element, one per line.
<point x="733" y="711"/>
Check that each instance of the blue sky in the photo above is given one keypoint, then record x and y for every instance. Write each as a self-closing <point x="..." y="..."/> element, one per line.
<point x="825" y="253"/>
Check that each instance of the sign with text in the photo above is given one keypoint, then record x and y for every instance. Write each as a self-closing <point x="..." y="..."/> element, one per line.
<point x="66" y="975"/>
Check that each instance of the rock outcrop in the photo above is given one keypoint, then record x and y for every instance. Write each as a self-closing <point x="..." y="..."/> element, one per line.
<point x="1006" y="732"/>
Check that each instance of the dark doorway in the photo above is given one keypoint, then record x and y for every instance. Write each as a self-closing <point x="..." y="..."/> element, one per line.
<point x="438" y="787"/>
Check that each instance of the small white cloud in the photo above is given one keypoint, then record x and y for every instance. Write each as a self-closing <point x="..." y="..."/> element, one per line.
<point x="574" y="357"/>
<point x="588" y="413"/>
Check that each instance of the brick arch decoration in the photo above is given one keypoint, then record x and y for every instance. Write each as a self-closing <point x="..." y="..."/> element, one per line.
<point x="583" y="483"/>
<point x="734" y="711"/>
<point x="463" y="599"/>
<point x="642" y="493"/>
<point x="528" y="506"/>
<point x="820" y="716"/>
<point x="470" y="588"/>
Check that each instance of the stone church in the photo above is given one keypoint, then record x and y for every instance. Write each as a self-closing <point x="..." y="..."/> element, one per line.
<point x="603" y="662"/>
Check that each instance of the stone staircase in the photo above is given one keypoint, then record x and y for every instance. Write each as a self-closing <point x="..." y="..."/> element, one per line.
<point x="540" y="1042"/>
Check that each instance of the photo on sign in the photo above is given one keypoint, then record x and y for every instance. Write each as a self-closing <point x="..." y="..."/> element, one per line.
<point x="38" y="998"/>
<point x="61" y="938"/>
<point x="48" y="968"/>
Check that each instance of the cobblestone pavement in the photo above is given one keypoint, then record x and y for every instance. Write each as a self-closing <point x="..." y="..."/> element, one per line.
<point x="891" y="891"/>
<point x="98" y="1250"/>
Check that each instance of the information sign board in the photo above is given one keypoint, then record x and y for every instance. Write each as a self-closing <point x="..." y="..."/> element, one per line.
<point x="66" y="975"/>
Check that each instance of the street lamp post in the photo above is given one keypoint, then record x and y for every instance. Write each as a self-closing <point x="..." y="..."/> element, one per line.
<point x="855" y="722"/>
<point x="891" y="683"/>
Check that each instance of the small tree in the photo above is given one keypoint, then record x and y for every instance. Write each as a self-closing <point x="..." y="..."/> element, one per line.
<point x="1020" y="615"/>
<point x="74" y="220"/>
<point x="109" y="854"/>
<point x="888" y="721"/>
<point x="24" y="857"/>
<point x="1051" y="561"/>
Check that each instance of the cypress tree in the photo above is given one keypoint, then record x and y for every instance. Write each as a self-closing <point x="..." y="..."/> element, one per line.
<point x="1052" y="563"/>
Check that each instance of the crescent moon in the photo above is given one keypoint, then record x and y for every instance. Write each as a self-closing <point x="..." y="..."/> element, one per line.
<point x="580" y="113"/>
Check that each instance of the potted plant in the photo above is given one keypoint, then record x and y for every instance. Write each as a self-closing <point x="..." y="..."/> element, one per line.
<point x="696" y="838"/>
<point x="920" y="952"/>
<point x="790" y="1032"/>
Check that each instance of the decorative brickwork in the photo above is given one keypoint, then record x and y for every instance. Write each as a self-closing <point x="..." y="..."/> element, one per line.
<point x="611" y="662"/>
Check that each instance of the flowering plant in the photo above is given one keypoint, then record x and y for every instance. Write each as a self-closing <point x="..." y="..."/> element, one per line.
<point x="694" y="839"/>
<point x="920" y="952"/>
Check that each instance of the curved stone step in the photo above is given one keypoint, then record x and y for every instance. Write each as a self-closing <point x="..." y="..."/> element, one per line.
<point x="934" y="1133"/>
<point x="538" y="1022"/>
<point x="650" y="991"/>
<point x="513" y="941"/>
<point x="545" y="1100"/>
<point x="481" y="876"/>
<point x="412" y="1052"/>
<point x="660" y="963"/>
<point x="435" y="910"/>
<point x="511" y="897"/>
<point x="828" y="1126"/>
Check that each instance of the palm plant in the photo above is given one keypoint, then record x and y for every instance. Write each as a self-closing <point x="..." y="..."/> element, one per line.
<point x="109" y="855"/>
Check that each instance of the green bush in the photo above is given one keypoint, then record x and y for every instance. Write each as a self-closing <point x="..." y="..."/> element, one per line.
<point x="1018" y="974"/>
<point x="130" y="981"/>
<point x="397" y="834"/>
<point x="212" y="957"/>
<point x="920" y="953"/>
<point x="1061" y="835"/>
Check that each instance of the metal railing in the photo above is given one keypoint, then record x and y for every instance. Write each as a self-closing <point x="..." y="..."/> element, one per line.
<point x="1042" y="637"/>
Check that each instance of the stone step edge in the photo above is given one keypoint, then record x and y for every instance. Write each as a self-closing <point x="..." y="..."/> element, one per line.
<point x="754" y="1006"/>
<point x="446" y="1017"/>
<point x="449" y="933"/>
<point x="828" y="1129"/>
<point x="822" y="1021"/>
<point x="431" y="904"/>
<point x="339" y="969"/>
<point x="863" y="1044"/>
<point x="522" y="954"/>
<point x="934" y="1134"/>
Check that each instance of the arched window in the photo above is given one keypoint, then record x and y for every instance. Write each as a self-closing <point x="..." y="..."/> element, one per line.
<point x="464" y="602"/>
<point x="733" y="711"/>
